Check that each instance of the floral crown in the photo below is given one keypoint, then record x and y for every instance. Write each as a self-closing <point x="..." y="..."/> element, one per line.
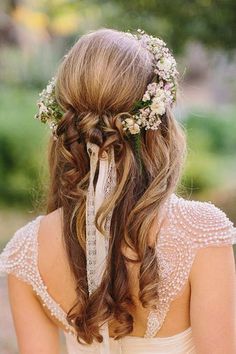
<point x="147" y="112"/>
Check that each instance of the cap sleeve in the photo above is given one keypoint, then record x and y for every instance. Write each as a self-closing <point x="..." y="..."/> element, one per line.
<point x="19" y="257"/>
<point x="210" y="226"/>
<point x="190" y="225"/>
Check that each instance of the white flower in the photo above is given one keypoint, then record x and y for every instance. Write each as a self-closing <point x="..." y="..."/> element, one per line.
<point x="48" y="108"/>
<point x="144" y="112"/>
<point x="164" y="64"/>
<point x="158" y="56"/>
<point x="146" y="97"/>
<point x="42" y="108"/>
<point x="134" y="129"/>
<point x="160" y="95"/>
<point x="168" y="97"/>
<point x="129" y="121"/>
<point x="151" y="88"/>
<point x="159" y="42"/>
<point x="158" y="107"/>
<point x="131" y="125"/>
<point x="49" y="89"/>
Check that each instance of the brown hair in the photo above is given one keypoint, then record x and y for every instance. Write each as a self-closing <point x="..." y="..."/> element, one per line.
<point x="98" y="82"/>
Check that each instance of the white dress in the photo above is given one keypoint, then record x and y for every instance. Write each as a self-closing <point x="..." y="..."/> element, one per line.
<point x="192" y="225"/>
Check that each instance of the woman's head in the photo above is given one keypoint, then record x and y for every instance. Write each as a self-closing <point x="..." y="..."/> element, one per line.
<point x="98" y="83"/>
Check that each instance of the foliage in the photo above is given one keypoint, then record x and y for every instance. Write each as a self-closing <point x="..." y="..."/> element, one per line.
<point x="22" y="141"/>
<point x="211" y="155"/>
<point x="212" y="22"/>
<point x="213" y="132"/>
<point x="31" y="70"/>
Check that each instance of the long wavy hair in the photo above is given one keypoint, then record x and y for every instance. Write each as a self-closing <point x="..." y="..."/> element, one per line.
<point x="98" y="82"/>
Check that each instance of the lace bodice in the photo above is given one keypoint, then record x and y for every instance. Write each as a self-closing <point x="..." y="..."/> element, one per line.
<point x="191" y="226"/>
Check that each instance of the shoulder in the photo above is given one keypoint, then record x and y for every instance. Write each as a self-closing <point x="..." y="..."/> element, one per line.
<point x="205" y="223"/>
<point x="50" y="229"/>
<point x="21" y="251"/>
<point x="51" y="250"/>
<point x="213" y="295"/>
<point x="20" y="248"/>
<point x="53" y="262"/>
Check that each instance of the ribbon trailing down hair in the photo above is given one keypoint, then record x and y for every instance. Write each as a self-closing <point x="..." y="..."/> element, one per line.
<point x="96" y="243"/>
<point x="147" y="113"/>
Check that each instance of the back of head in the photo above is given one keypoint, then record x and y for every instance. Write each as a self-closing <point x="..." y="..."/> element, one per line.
<point x="98" y="83"/>
<point x="105" y="71"/>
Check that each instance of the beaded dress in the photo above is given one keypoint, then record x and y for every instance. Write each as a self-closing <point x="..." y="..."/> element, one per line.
<point x="192" y="225"/>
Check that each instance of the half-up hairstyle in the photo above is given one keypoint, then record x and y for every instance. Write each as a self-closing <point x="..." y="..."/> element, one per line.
<point x="98" y="82"/>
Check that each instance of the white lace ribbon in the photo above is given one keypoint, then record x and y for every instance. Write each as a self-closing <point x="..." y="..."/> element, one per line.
<point x="96" y="243"/>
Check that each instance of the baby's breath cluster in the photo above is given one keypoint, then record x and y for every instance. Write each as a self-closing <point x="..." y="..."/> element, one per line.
<point x="49" y="110"/>
<point x="161" y="93"/>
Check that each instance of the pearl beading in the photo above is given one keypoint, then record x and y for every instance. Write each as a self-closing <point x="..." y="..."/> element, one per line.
<point x="191" y="226"/>
<point x="20" y="258"/>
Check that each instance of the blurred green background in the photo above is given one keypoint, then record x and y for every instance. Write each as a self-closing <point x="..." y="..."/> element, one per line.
<point x="34" y="36"/>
